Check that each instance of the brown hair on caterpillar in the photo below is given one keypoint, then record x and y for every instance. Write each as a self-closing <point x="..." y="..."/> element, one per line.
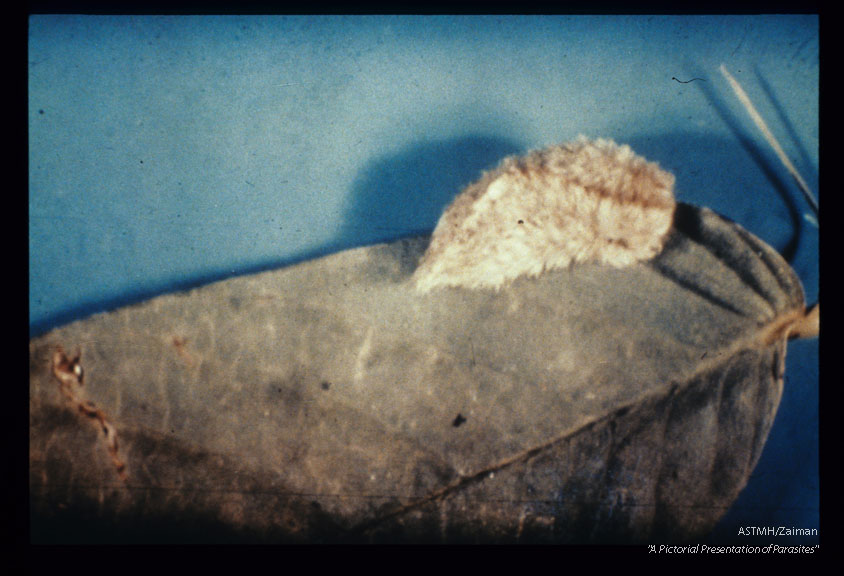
<point x="585" y="201"/>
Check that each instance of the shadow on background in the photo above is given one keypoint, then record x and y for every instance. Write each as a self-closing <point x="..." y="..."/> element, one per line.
<point x="394" y="196"/>
<point x="404" y="194"/>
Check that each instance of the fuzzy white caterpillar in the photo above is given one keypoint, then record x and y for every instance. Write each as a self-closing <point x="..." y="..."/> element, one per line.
<point x="586" y="201"/>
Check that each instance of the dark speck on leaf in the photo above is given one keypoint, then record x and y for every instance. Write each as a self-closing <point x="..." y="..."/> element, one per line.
<point x="458" y="421"/>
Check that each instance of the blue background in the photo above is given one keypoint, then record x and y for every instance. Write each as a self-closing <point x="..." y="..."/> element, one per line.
<point x="167" y="152"/>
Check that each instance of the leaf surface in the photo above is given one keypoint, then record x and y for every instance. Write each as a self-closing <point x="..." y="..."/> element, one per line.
<point x="330" y="401"/>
